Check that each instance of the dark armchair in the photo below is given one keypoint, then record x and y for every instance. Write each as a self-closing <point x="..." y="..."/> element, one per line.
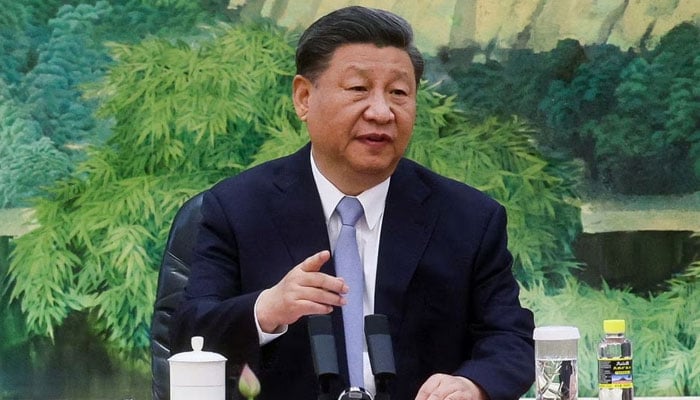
<point x="174" y="272"/>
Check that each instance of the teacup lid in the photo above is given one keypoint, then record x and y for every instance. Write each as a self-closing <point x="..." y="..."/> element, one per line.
<point x="556" y="333"/>
<point x="197" y="355"/>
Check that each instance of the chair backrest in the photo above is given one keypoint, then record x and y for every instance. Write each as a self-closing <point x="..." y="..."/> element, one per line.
<point x="172" y="278"/>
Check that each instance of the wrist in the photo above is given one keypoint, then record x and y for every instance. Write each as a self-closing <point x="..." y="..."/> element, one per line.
<point x="266" y="323"/>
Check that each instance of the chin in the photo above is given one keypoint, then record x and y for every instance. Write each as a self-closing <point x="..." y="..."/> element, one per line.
<point x="378" y="170"/>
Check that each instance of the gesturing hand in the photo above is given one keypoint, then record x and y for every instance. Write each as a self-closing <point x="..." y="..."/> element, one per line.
<point x="449" y="387"/>
<point x="303" y="291"/>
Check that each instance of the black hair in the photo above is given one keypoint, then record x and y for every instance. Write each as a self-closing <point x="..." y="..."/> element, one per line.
<point x="352" y="25"/>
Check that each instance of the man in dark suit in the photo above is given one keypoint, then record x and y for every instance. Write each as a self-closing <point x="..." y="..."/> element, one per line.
<point x="433" y="251"/>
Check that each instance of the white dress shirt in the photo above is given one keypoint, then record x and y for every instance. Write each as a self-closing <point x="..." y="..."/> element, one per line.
<point x="368" y="230"/>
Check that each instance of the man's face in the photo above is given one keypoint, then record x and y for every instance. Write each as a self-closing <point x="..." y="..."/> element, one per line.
<point x="360" y="113"/>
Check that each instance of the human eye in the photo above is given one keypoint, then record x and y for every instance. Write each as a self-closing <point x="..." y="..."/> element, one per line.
<point x="400" y="91"/>
<point x="357" y="88"/>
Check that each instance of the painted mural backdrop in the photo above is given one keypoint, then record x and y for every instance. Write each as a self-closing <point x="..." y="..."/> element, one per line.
<point x="582" y="117"/>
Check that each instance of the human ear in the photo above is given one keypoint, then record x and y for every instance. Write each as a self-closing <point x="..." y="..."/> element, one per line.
<point x="301" y="90"/>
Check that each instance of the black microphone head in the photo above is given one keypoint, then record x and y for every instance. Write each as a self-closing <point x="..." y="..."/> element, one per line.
<point x="323" y="350"/>
<point x="320" y="325"/>
<point x="376" y="324"/>
<point x="381" y="351"/>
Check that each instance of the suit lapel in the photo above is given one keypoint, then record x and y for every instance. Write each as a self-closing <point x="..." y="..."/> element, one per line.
<point x="296" y="209"/>
<point x="406" y="227"/>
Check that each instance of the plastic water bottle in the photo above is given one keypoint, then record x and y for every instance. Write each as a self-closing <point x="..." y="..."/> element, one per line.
<point x="615" y="363"/>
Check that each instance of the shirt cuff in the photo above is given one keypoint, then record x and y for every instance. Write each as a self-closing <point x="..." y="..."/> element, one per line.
<point x="264" y="337"/>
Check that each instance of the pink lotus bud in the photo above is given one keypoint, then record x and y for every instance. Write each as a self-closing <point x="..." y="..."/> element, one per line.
<point x="248" y="383"/>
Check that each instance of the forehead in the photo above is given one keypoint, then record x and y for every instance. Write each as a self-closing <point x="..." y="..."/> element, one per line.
<point x="368" y="58"/>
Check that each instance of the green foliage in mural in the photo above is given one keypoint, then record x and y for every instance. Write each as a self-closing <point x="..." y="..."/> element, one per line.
<point x="12" y="327"/>
<point x="162" y="18"/>
<point x="631" y="117"/>
<point x="516" y="84"/>
<point x="29" y="160"/>
<point x="569" y="107"/>
<point x="681" y="365"/>
<point x="13" y="40"/>
<point x="184" y="117"/>
<point x="655" y="120"/>
<point x="69" y="58"/>
<point x="666" y="343"/>
<point x="49" y="51"/>
<point x="45" y="120"/>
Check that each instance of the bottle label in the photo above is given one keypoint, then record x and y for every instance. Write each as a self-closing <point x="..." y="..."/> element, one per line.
<point x="615" y="373"/>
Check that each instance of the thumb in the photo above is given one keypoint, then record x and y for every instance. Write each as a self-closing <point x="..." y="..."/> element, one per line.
<point x="316" y="261"/>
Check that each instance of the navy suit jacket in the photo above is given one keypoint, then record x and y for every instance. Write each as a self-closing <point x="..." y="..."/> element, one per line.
<point x="444" y="280"/>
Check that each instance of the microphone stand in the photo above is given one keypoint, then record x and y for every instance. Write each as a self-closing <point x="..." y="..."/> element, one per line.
<point x="355" y="393"/>
<point x="381" y="353"/>
<point x="382" y="384"/>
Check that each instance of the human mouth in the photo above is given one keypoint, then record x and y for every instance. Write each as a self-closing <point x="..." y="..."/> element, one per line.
<point x="375" y="138"/>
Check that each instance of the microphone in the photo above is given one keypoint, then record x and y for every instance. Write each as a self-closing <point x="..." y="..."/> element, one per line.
<point x="323" y="352"/>
<point x="381" y="352"/>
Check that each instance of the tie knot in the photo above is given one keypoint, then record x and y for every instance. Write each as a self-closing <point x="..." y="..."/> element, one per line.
<point x="350" y="210"/>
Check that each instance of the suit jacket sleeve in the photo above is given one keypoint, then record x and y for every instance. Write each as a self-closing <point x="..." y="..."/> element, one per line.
<point x="502" y="357"/>
<point x="214" y="306"/>
<point x="444" y="278"/>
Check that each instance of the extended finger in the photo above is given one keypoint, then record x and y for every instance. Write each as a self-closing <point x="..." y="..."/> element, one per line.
<point x="315" y="262"/>
<point x="326" y="282"/>
<point x="310" y="275"/>
<point x="319" y="294"/>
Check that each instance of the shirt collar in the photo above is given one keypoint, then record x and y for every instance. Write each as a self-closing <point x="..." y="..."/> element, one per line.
<point x="372" y="199"/>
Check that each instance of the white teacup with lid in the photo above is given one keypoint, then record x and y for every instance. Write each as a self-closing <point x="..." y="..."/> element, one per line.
<point x="197" y="374"/>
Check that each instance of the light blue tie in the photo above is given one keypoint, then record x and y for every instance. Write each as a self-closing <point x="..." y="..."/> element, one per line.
<point x="349" y="266"/>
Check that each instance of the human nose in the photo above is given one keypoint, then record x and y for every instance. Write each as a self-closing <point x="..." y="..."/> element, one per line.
<point x="379" y="109"/>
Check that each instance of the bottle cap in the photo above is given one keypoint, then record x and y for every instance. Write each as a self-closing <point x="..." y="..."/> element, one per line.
<point x="556" y="333"/>
<point x="614" y="326"/>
